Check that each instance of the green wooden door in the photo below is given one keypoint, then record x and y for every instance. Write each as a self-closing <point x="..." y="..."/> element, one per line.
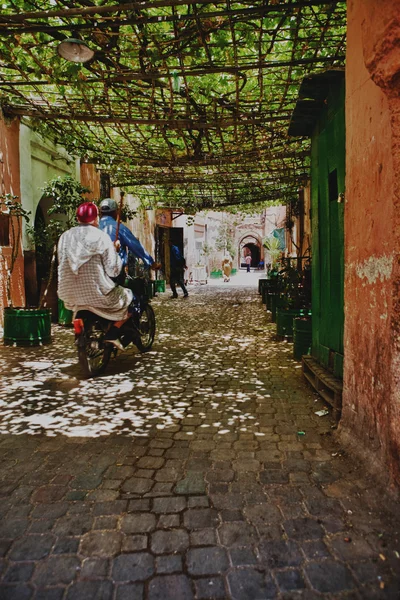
<point x="327" y="181"/>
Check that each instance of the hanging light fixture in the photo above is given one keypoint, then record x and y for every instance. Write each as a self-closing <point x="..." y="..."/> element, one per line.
<point x="75" y="50"/>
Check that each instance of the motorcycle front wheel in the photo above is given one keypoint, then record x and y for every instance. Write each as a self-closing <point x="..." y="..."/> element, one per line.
<point x="93" y="354"/>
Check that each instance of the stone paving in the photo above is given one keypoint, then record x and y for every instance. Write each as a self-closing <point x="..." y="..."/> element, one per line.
<point x="197" y="471"/>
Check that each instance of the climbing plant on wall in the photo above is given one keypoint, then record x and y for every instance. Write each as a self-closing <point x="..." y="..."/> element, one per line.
<point x="225" y="240"/>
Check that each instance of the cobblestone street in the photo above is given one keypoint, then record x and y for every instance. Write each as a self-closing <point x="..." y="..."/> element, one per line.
<point x="199" y="470"/>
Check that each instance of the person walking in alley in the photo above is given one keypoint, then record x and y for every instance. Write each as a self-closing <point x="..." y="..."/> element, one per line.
<point x="227" y="267"/>
<point x="177" y="265"/>
<point x="248" y="262"/>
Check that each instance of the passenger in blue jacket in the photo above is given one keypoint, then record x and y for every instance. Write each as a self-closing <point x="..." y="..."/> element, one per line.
<point x="129" y="243"/>
<point x="177" y="265"/>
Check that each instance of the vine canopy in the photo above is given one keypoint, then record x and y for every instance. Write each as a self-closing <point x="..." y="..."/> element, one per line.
<point x="185" y="102"/>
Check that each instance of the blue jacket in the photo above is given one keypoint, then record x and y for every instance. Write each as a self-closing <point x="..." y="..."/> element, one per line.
<point x="127" y="239"/>
<point x="176" y="259"/>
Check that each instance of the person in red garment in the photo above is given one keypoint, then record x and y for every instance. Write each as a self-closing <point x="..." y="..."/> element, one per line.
<point x="247" y="260"/>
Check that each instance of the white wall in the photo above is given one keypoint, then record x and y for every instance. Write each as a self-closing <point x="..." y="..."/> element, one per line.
<point x="209" y="222"/>
<point x="204" y="230"/>
<point x="274" y="218"/>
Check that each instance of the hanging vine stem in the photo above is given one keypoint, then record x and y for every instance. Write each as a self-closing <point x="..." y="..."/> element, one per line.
<point x="16" y="213"/>
<point x="14" y="255"/>
<point x="50" y="279"/>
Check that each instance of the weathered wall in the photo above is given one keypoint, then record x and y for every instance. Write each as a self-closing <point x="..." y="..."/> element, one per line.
<point x="193" y="232"/>
<point x="90" y="178"/>
<point x="144" y="223"/>
<point x="371" y="402"/>
<point x="10" y="183"/>
<point x="197" y="233"/>
<point x="40" y="161"/>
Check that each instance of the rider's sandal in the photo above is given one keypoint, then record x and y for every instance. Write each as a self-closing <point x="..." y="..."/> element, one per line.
<point x="112" y="337"/>
<point x="116" y="343"/>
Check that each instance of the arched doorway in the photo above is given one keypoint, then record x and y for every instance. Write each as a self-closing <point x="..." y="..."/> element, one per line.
<point x="250" y="245"/>
<point x="43" y="235"/>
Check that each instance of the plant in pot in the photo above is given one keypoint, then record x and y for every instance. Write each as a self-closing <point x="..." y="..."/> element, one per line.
<point x="273" y="246"/>
<point x="215" y="271"/>
<point x="22" y="326"/>
<point x="268" y="287"/>
<point x="294" y="289"/>
<point x="66" y="195"/>
<point x="204" y="261"/>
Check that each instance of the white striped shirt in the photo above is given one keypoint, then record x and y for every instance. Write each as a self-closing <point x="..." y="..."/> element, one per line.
<point x="87" y="260"/>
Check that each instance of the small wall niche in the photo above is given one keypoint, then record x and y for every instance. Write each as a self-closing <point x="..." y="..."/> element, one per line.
<point x="4" y="229"/>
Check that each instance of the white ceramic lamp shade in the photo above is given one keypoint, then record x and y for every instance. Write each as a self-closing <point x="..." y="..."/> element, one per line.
<point x="75" y="50"/>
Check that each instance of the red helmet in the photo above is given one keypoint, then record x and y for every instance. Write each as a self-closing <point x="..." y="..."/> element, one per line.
<point x="87" y="212"/>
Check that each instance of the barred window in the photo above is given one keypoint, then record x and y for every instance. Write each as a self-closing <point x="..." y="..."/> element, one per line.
<point x="105" y="185"/>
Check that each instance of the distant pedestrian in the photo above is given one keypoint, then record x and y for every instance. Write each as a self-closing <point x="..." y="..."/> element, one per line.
<point x="248" y="262"/>
<point x="227" y="267"/>
<point x="177" y="268"/>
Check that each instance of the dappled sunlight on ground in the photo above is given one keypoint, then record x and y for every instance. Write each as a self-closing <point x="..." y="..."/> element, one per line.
<point x="202" y="343"/>
<point x="198" y="470"/>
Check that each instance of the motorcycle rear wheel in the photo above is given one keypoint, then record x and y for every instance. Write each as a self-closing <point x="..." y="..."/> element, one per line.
<point x="147" y="329"/>
<point x="93" y="354"/>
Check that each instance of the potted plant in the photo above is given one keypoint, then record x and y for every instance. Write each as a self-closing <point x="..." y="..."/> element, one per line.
<point x="302" y="336"/>
<point x="215" y="271"/>
<point x="273" y="246"/>
<point x="22" y="326"/>
<point x="294" y="291"/>
<point x="267" y="287"/>
<point x="66" y="195"/>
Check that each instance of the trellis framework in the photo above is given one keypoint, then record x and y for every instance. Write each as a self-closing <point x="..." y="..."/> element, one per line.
<point x="186" y="102"/>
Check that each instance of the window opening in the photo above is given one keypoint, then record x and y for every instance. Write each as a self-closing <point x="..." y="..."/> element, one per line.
<point x="105" y="185"/>
<point x="4" y="229"/>
<point x="333" y="186"/>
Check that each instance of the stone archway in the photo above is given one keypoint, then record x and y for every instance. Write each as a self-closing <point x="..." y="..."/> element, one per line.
<point x="250" y="244"/>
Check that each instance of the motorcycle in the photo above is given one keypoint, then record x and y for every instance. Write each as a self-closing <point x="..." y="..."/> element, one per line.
<point x="94" y="352"/>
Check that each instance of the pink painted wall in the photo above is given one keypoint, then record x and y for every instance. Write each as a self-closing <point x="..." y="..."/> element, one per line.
<point x="372" y="240"/>
<point x="10" y="183"/>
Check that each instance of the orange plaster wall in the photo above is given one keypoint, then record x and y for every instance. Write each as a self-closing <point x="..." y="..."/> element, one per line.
<point x="144" y="226"/>
<point x="145" y="230"/>
<point x="371" y="242"/>
<point x="90" y="178"/>
<point x="10" y="183"/>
